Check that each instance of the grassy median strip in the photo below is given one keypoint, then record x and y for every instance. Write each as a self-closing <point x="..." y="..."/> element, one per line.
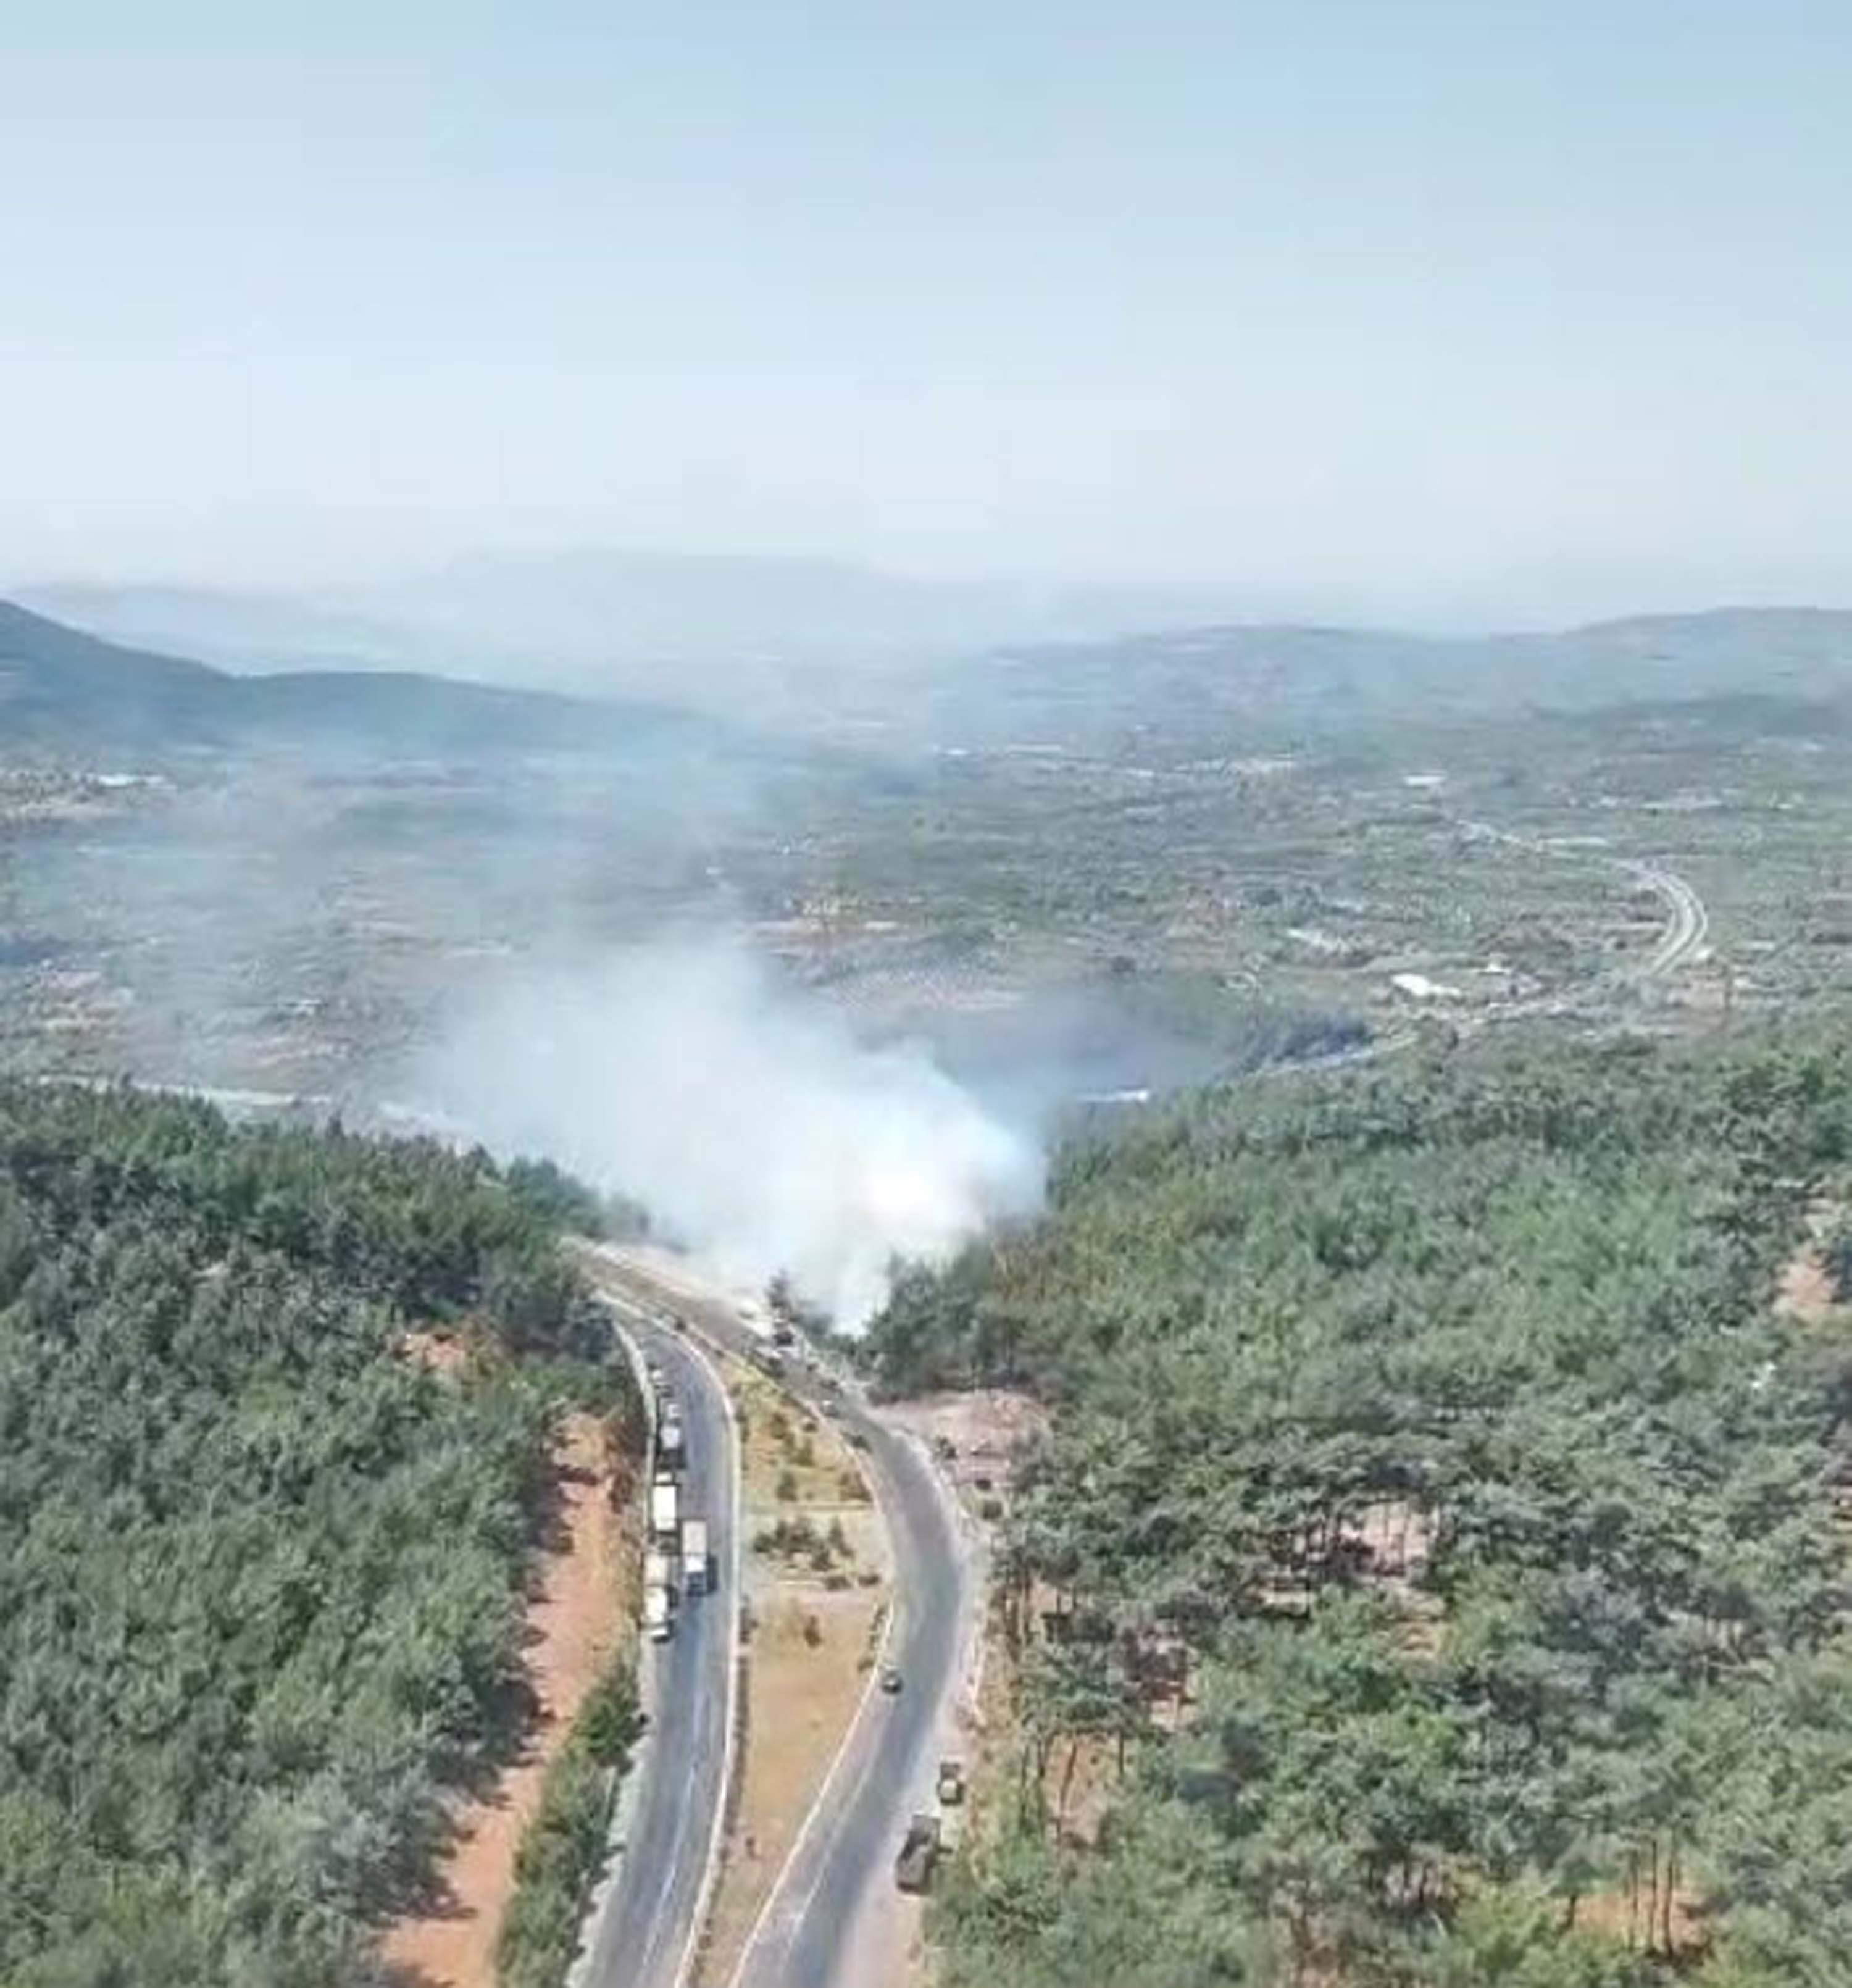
<point x="815" y="1580"/>
<point x="563" y="1849"/>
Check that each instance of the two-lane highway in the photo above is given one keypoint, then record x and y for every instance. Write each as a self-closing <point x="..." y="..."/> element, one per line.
<point x="643" y="1924"/>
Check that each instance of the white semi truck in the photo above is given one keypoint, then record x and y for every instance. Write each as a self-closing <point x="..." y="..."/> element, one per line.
<point x="665" y="1514"/>
<point x="694" y="1555"/>
<point x="658" y="1594"/>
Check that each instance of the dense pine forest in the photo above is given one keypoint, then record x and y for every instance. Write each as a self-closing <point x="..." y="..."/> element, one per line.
<point x="1437" y="1571"/>
<point x="261" y="1573"/>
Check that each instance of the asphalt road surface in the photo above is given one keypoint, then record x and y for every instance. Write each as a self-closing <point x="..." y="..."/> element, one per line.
<point x="845" y="1861"/>
<point x="1687" y="927"/>
<point x="646" y="1918"/>
<point x="843" y="1866"/>
<point x="1688" y="922"/>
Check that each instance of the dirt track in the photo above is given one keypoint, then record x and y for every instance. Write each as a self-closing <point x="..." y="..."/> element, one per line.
<point x="572" y="1623"/>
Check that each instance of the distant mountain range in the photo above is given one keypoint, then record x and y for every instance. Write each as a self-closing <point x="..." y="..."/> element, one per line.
<point x="812" y="646"/>
<point x="240" y="632"/>
<point x="64" y="689"/>
<point x="1211" y="679"/>
<point x="617" y="622"/>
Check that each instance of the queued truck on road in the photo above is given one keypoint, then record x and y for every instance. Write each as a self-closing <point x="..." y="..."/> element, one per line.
<point x="694" y="1565"/>
<point x="658" y="1595"/>
<point x="665" y="1514"/>
<point x="668" y="1535"/>
<point x="919" y="1855"/>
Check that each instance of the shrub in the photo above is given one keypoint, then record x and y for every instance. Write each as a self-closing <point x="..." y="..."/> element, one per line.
<point x="563" y="1847"/>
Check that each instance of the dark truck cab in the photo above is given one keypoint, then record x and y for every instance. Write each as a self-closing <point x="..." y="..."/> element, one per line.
<point x="919" y="1856"/>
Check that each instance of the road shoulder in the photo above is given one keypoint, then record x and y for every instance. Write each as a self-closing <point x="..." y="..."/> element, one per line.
<point x="818" y="1591"/>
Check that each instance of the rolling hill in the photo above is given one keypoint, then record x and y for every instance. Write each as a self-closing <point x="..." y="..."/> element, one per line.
<point x="600" y="621"/>
<point x="63" y="691"/>
<point x="1200" y="680"/>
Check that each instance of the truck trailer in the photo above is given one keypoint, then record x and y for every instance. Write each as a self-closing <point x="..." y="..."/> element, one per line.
<point x="665" y="1514"/>
<point x="694" y="1555"/>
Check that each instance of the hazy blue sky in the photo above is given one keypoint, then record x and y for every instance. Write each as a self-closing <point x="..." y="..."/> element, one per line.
<point x="1439" y="311"/>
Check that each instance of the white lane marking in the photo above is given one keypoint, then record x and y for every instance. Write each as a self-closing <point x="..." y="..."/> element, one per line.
<point x="1689" y="922"/>
<point x="821" y="1802"/>
<point x="866" y="1908"/>
<point x="692" y="1337"/>
<point x="625" y="1305"/>
<point x="658" y="1927"/>
<point x="642" y="1763"/>
<point x="710" y="1875"/>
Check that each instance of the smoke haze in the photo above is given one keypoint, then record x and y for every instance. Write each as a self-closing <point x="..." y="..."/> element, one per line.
<point x="747" y="1118"/>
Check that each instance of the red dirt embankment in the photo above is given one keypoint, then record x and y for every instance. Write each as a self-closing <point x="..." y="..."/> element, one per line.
<point x="578" y="1610"/>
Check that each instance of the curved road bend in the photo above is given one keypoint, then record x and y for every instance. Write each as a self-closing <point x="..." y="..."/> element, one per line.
<point x="643" y="1922"/>
<point x="1688" y="922"/>
<point x="843" y="1866"/>
<point x="1689" y="925"/>
<point x="842" y="1869"/>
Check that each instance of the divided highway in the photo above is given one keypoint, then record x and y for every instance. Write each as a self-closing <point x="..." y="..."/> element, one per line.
<point x="644" y="1923"/>
<point x="1688" y="926"/>
<point x="826" y="1904"/>
<point x="1688" y="922"/>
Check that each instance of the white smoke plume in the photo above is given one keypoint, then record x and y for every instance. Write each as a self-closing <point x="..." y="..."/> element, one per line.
<point x="743" y="1114"/>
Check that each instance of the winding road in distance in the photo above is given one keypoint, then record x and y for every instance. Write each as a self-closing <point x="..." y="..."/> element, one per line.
<point x="644" y="1921"/>
<point x="1688" y="926"/>
<point x="828" y="1901"/>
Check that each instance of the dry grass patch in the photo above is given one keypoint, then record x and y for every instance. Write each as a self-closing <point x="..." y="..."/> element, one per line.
<point x="977" y="1438"/>
<point x="436" y="1353"/>
<point x="806" y="1672"/>
<point x="1649" y="1915"/>
<point x="1805" y="1291"/>
<point x="793" y="1458"/>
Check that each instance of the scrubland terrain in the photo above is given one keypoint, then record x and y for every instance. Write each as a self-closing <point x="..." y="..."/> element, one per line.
<point x="1081" y="907"/>
<point x="1089" y="871"/>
